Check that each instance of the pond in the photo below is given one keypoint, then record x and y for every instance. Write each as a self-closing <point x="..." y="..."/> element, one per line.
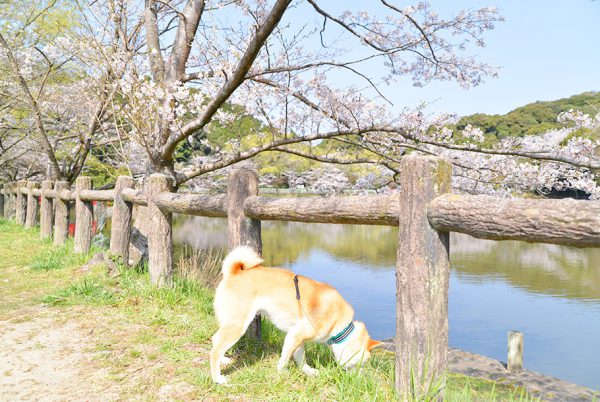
<point x="549" y="292"/>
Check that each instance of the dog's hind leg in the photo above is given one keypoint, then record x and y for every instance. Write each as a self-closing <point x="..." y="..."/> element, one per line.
<point x="299" y="356"/>
<point x="224" y="338"/>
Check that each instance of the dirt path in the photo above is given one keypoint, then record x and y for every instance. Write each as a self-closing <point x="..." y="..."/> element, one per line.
<point x="44" y="358"/>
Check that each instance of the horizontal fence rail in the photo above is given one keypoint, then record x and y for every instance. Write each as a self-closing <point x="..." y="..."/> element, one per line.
<point x="567" y="222"/>
<point x="193" y="204"/>
<point x="361" y="210"/>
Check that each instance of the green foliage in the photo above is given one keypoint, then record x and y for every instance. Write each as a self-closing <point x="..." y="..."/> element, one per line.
<point x="534" y="118"/>
<point x="98" y="167"/>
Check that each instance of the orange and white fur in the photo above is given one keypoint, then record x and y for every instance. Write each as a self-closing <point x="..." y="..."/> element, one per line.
<point x="248" y="288"/>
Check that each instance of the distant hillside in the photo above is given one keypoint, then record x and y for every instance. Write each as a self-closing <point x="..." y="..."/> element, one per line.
<point x="534" y="118"/>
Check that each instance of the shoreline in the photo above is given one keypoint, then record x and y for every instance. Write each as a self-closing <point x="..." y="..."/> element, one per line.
<point x="542" y="386"/>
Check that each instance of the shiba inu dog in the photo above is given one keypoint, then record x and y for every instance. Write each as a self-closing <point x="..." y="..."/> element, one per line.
<point x="305" y="309"/>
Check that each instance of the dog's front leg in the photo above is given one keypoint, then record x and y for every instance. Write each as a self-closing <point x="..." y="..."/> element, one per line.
<point x="293" y="340"/>
<point x="299" y="356"/>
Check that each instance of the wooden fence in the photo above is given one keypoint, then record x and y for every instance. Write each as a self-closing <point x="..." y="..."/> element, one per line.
<point x="424" y="210"/>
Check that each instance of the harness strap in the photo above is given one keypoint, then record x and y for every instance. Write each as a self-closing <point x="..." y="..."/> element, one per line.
<point x="297" y="288"/>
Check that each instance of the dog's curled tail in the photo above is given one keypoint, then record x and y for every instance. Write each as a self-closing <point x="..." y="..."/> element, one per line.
<point x="242" y="257"/>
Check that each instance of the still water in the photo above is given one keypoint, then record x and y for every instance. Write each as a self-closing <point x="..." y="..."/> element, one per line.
<point x="551" y="293"/>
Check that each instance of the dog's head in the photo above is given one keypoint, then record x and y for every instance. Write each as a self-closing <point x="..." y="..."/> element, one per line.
<point x="356" y="349"/>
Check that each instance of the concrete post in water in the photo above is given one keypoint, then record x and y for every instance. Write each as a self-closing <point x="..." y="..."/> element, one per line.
<point x="31" y="218"/>
<point x="21" y="203"/>
<point x="61" y="214"/>
<point x="160" y="235"/>
<point x="84" y="216"/>
<point x="46" y="212"/>
<point x="422" y="273"/>
<point x="120" y="232"/>
<point x="241" y="230"/>
<point x="515" y="351"/>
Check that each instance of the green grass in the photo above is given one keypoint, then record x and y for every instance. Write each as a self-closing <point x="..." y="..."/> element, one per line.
<point x="165" y="334"/>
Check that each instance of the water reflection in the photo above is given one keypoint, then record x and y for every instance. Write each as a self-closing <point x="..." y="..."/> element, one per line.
<point x="551" y="293"/>
<point x="540" y="268"/>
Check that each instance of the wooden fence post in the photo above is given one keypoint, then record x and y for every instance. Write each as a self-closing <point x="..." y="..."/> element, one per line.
<point x="31" y="218"/>
<point x="21" y="203"/>
<point x="12" y="199"/>
<point x="515" y="351"/>
<point x="46" y="211"/>
<point x="422" y="273"/>
<point x="84" y="216"/>
<point x="160" y="235"/>
<point x="2" y="197"/>
<point x="241" y="184"/>
<point x="120" y="231"/>
<point x="61" y="215"/>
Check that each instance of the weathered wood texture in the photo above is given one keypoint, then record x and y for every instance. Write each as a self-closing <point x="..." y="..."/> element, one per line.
<point x="97" y="195"/>
<point x="36" y="191"/>
<point x="515" y="351"/>
<point x="21" y="203"/>
<point x="31" y="217"/>
<point x="569" y="222"/>
<point x="359" y="210"/>
<point x="2" y="196"/>
<point x="46" y="212"/>
<point x="193" y="204"/>
<point x="120" y="231"/>
<point x="160" y="243"/>
<point x="422" y="273"/>
<point x="241" y="230"/>
<point x="9" y="200"/>
<point x="136" y="197"/>
<point x="84" y="216"/>
<point x="61" y="214"/>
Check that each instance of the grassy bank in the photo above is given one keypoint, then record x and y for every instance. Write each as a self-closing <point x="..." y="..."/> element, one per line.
<point x="155" y="342"/>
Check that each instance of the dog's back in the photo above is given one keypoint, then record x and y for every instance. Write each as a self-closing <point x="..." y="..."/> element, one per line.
<point x="248" y="288"/>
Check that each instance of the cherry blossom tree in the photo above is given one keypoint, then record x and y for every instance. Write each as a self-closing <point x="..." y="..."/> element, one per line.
<point x="281" y="60"/>
<point x="59" y="82"/>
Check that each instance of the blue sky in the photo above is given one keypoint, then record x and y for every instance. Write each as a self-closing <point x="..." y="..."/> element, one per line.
<point x="546" y="50"/>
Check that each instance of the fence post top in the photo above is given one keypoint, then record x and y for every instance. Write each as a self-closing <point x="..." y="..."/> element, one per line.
<point x="244" y="169"/>
<point x="32" y="184"/>
<point x="83" y="181"/>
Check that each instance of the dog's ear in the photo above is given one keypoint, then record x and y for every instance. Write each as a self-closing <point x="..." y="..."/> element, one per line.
<point x="373" y="344"/>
